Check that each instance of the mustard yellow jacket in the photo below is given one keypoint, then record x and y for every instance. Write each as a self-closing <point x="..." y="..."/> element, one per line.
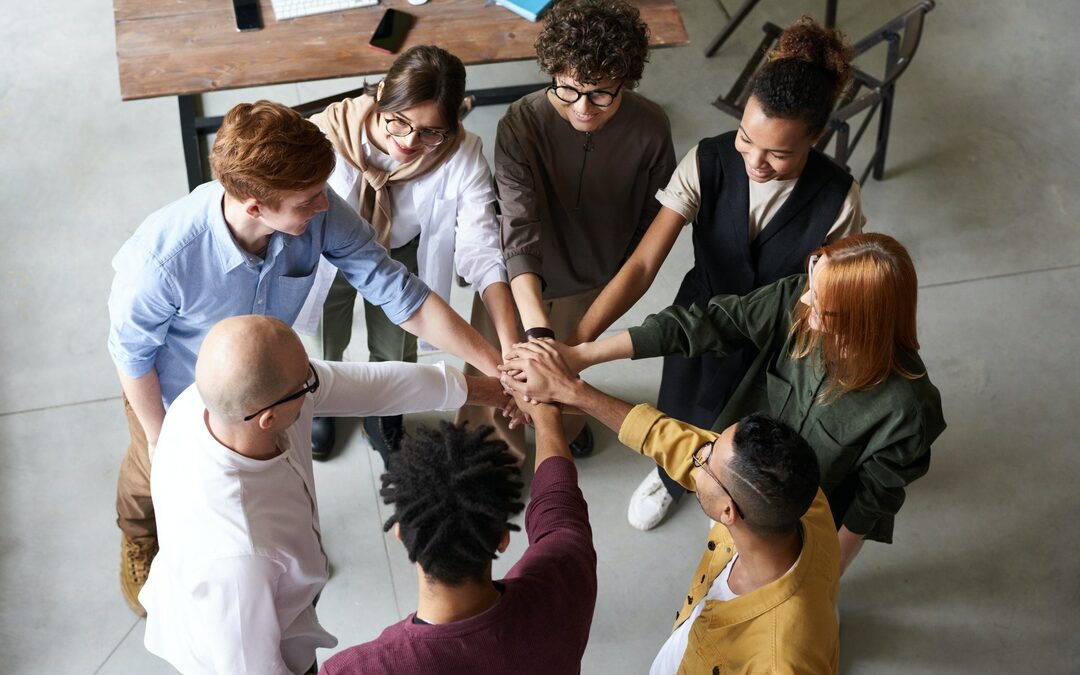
<point x="787" y="626"/>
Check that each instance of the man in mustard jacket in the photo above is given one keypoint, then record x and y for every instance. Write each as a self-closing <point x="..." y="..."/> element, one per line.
<point x="763" y="598"/>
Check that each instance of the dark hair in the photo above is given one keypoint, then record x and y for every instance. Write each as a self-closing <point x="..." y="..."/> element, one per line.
<point x="424" y="73"/>
<point x="265" y="149"/>
<point x="805" y="75"/>
<point x="594" y="40"/>
<point x="774" y="474"/>
<point x="453" y="491"/>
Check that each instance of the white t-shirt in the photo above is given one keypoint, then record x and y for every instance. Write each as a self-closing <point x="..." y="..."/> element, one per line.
<point x="405" y="225"/>
<point x="683" y="196"/>
<point x="241" y="557"/>
<point x="671" y="653"/>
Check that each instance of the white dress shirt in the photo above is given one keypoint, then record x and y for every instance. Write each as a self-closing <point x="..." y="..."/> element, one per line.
<point x="241" y="558"/>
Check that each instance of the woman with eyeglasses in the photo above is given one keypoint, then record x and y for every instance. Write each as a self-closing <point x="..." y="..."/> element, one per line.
<point x="407" y="165"/>
<point x="837" y="360"/>
<point x="760" y="199"/>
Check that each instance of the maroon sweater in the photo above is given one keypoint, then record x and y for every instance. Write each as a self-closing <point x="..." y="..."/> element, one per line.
<point x="541" y="623"/>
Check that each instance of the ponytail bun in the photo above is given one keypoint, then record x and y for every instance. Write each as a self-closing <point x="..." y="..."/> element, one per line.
<point x="805" y="74"/>
<point x="806" y="40"/>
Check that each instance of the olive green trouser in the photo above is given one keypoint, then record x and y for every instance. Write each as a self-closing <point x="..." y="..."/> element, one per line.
<point x="386" y="340"/>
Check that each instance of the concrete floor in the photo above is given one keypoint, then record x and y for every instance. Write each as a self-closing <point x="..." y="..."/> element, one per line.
<point x="982" y="186"/>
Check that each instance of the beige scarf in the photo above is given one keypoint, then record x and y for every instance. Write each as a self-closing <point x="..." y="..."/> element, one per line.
<point x="343" y="123"/>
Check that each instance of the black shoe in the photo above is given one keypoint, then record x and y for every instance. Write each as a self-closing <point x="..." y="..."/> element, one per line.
<point x="322" y="438"/>
<point x="582" y="446"/>
<point x="385" y="434"/>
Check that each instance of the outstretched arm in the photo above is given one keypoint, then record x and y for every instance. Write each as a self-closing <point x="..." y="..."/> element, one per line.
<point x="633" y="279"/>
<point x="436" y="323"/>
<point x="548" y="378"/>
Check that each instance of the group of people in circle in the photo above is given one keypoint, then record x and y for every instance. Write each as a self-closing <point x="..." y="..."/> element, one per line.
<point x="792" y="402"/>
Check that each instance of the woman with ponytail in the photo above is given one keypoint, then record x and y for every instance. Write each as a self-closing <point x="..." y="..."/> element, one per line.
<point x="760" y="198"/>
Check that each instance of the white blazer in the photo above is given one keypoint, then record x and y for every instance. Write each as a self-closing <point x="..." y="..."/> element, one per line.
<point x="455" y="205"/>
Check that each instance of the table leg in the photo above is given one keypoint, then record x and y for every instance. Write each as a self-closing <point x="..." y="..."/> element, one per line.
<point x="830" y="13"/>
<point x="191" y="140"/>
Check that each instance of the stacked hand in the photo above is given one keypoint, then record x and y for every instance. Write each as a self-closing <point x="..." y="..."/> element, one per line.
<point x="541" y="371"/>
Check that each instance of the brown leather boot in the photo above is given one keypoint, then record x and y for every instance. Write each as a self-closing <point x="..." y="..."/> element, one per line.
<point x="135" y="558"/>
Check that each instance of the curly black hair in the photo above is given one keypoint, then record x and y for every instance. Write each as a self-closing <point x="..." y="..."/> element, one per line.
<point x="593" y="41"/>
<point x="453" y="491"/>
<point x="805" y="75"/>
<point x="775" y="474"/>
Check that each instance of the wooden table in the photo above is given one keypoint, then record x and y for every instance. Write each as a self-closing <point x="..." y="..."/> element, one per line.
<point x="188" y="47"/>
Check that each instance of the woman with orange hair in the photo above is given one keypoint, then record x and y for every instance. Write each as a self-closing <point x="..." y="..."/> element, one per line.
<point x="837" y="360"/>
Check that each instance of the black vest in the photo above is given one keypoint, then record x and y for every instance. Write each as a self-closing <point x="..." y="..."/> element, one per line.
<point x="726" y="259"/>
<point x="727" y="262"/>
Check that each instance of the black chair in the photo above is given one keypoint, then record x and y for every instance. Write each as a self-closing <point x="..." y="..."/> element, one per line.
<point x="743" y="11"/>
<point x="867" y="95"/>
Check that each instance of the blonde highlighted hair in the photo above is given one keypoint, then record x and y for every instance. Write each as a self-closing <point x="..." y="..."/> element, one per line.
<point x="866" y="299"/>
<point x="266" y="149"/>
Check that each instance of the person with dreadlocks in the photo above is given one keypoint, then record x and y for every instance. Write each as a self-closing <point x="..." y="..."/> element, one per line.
<point x="233" y="588"/>
<point x="454" y="490"/>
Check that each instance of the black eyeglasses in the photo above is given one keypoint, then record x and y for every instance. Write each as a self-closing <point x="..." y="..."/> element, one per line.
<point x="703" y="464"/>
<point x="598" y="97"/>
<point x="395" y="126"/>
<point x="309" y="388"/>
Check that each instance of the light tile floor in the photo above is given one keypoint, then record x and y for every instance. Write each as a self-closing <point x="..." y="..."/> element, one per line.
<point x="982" y="186"/>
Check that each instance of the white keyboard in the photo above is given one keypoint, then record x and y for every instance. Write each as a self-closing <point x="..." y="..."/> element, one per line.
<point x="291" y="9"/>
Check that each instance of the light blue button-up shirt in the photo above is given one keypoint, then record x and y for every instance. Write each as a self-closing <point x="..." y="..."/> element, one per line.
<point x="182" y="272"/>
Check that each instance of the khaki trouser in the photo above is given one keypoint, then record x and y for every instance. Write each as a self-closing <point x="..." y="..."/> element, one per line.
<point x="134" y="509"/>
<point x="564" y="315"/>
<point x="386" y="340"/>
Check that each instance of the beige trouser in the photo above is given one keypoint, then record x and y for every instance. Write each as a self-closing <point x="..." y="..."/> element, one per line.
<point x="134" y="509"/>
<point x="564" y="315"/>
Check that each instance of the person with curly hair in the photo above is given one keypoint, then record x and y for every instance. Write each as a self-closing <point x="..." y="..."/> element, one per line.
<point x="454" y="490"/>
<point x="577" y="166"/>
<point x="760" y="198"/>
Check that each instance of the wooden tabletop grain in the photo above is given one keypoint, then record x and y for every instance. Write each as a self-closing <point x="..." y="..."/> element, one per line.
<point x="170" y="47"/>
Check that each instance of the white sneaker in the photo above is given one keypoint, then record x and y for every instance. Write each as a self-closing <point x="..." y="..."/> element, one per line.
<point x="649" y="503"/>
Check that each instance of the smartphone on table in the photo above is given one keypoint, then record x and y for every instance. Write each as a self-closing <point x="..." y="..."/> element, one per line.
<point x="390" y="33"/>
<point x="247" y="15"/>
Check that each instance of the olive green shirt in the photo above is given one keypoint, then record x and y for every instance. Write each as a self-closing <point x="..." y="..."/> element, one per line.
<point x="881" y="434"/>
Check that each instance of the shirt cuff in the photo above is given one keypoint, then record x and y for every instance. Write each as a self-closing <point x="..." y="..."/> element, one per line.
<point x="635" y="428"/>
<point x="679" y="206"/>
<point x="492" y="276"/>
<point x="523" y="263"/>
<point x="406" y="306"/>
<point x="859" y="519"/>
<point x="646" y="342"/>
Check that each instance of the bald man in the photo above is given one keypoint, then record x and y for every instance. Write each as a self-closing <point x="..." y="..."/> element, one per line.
<point x="241" y="561"/>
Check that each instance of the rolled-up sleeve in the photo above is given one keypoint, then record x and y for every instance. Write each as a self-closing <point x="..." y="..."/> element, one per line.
<point x="897" y="455"/>
<point x="669" y="442"/>
<point x="477" y="246"/>
<point x="142" y="304"/>
<point x="350" y="245"/>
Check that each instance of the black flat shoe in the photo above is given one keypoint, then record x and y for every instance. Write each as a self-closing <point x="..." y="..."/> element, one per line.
<point x="322" y="438"/>
<point x="385" y="435"/>
<point x="582" y="446"/>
